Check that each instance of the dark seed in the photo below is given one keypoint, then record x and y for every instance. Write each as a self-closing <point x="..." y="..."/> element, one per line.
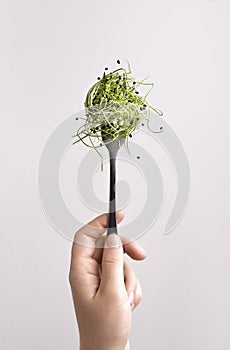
<point x="76" y="118"/>
<point x="138" y="157"/>
<point x="136" y="92"/>
<point x="101" y="144"/>
<point x="145" y="105"/>
<point x="97" y="128"/>
<point x="106" y="68"/>
<point x="142" y="124"/>
<point x="118" y="62"/>
<point x="161" y="128"/>
<point x="98" y="78"/>
<point x="134" y="83"/>
<point x="130" y="135"/>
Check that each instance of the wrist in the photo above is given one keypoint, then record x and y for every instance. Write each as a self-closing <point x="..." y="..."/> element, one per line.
<point x="84" y="346"/>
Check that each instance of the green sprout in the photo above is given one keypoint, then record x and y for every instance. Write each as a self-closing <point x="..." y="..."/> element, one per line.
<point x="115" y="108"/>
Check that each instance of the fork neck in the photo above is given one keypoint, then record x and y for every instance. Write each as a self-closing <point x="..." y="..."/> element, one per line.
<point x="112" y="224"/>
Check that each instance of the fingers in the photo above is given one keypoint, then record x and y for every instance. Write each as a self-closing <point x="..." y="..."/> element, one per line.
<point x="84" y="241"/>
<point x="99" y="244"/>
<point x="138" y="296"/>
<point x="132" y="285"/>
<point x="112" y="274"/>
<point x="130" y="281"/>
<point x="133" y="249"/>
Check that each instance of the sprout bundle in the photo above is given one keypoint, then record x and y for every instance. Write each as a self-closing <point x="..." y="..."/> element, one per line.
<point x="115" y="108"/>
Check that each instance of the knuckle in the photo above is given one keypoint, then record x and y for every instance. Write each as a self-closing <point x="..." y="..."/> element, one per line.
<point x="138" y="294"/>
<point x="71" y="277"/>
<point x="111" y="258"/>
<point x="138" y="299"/>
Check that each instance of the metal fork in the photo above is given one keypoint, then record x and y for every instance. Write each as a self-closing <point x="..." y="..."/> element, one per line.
<point x="113" y="148"/>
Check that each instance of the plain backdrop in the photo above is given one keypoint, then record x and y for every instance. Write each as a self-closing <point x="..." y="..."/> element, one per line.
<point x="51" y="52"/>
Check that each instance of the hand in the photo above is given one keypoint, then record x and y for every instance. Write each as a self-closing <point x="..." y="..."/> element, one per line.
<point x="104" y="287"/>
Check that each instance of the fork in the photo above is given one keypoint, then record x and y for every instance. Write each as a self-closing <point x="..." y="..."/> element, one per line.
<point x="113" y="147"/>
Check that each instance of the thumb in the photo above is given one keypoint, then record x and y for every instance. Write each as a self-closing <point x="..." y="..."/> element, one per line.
<point x="112" y="274"/>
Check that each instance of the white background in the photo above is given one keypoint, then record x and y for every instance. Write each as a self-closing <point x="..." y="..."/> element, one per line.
<point x="51" y="52"/>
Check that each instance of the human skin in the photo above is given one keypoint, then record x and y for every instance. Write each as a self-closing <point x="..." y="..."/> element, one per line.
<point x="104" y="286"/>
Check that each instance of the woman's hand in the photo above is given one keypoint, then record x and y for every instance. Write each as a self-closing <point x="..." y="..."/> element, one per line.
<point x="104" y="286"/>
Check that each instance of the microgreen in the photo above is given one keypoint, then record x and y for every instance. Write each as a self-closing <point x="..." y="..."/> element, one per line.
<point x="114" y="107"/>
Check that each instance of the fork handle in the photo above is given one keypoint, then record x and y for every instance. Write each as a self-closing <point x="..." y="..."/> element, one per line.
<point x="112" y="222"/>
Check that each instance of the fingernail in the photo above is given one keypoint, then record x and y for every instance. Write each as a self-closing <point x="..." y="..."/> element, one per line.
<point x="131" y="298"/>
<point x="142" y="249"/>
<point x="113" y="241"/>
